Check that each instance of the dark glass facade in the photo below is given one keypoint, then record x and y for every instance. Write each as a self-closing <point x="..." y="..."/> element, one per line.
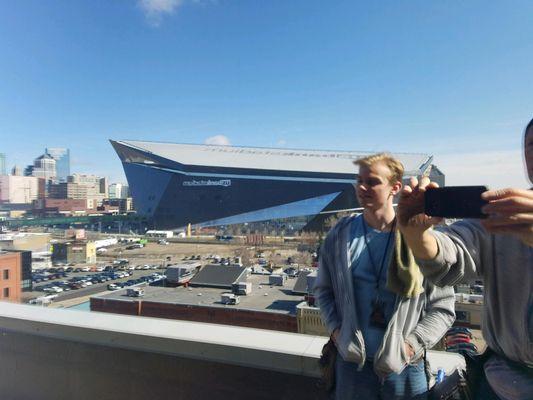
<point x="173" y="194"/>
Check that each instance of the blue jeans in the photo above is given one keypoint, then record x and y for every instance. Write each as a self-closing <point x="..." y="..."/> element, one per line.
<point x="351" y="384"/>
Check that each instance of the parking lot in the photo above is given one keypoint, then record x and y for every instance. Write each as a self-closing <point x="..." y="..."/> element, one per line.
<point x="66" y="282"/>
<point x="83" y="283"/>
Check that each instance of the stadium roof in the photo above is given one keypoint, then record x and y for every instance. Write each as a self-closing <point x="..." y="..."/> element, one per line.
<point x="266" y="158"/>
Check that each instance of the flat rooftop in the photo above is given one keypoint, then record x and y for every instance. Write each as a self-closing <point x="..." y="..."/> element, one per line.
<point x="275" y="299"/>
<point x="268" y="158"/>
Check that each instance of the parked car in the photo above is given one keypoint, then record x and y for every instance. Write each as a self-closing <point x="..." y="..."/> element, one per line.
<point x="112" y="286"/>
<point x="53" y="289"/>
<point x="75" y="285"/>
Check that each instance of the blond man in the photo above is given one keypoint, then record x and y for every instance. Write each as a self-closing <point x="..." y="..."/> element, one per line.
<point x="380" y="335"/>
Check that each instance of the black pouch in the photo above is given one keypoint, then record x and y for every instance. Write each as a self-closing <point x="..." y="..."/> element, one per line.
<point x="327" y="366"/>
<point x="459" y="386"/>
<point x="453" y="387"/>
<point x="474" y="369"/>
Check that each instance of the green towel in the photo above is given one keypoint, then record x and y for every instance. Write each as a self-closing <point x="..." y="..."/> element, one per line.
<point x="404" y="277"/>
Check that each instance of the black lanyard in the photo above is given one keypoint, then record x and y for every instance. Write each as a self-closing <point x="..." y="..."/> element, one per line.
<point x="384" y="257"/>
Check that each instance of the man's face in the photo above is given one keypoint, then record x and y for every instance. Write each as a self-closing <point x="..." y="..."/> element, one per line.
<point x="528" y="148"/>
<point x="373" y="188"/>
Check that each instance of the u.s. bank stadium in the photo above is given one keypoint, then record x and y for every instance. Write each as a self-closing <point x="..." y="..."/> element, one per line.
<point x="210" y="185"/>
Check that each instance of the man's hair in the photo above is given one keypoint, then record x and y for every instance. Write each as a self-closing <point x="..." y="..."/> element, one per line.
<point x="394" y="165"/>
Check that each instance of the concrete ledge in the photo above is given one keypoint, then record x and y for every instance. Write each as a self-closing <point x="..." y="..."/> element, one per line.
<point x="255" y="348"/>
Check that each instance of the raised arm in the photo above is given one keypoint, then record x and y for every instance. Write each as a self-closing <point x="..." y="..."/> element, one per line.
<point x="445" y="255"/>
<point x="416" y="226"/>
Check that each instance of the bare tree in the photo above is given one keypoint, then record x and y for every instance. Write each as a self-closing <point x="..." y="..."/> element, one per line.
<point x="303" y="258"/>
<point x="332" y="221"/>
<point x="246" y="255"/>
<point x="276" y="259"/>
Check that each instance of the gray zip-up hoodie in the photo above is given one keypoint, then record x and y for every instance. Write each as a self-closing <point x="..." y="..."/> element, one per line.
<point x="421" y="320"/>
<point x="466" y="251"/>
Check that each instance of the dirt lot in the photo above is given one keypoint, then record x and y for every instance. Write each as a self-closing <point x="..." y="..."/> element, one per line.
<point x="155" y="253"/>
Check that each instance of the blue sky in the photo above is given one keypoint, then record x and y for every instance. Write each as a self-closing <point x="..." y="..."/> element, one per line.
<point x="453" y="79"/>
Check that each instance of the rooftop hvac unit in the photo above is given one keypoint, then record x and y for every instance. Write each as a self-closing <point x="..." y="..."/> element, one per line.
<point x="229" y="299"/>
<point x="135" y="292"/>
<point x="311" y="278"/>
<point x="242" y="288"/>
<point x="277" y="280"/>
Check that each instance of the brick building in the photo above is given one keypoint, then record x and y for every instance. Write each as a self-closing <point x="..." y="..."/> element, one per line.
<point x="78" y="251"/>
<point x="265" y="307"/>
<point x="15" y="274"/>
<point x="52" y="207"/>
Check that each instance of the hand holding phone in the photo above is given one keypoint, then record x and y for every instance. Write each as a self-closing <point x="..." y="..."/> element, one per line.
<point x="455" y="202"/>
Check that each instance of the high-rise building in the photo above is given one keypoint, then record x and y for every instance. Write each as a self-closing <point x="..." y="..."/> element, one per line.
<point x="118" y="191"/>
<point x="62" y="157"/>
<point x="16" y="171"/>
<point x="44" y="167"/>
<point x="67" y="190"/>
<point x="96" y="185"/>
<point x="20" y="189"/>
<point x="28" y="171"/>
<point x="2" y="164"/>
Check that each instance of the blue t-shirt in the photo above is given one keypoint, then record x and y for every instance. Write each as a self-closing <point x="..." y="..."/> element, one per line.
<point x="364" y="274"/>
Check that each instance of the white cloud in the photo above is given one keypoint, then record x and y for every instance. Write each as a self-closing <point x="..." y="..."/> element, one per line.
<point x="219" y="140"/>
<point x="281" y="142"/>
<point x="496" y="169"/>
<point x="154" y="10"/>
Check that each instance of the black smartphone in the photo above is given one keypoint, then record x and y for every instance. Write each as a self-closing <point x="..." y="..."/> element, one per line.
<point x="455" y="202"/>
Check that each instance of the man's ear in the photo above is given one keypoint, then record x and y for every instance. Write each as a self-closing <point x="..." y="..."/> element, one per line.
<point x="396" y="188"/>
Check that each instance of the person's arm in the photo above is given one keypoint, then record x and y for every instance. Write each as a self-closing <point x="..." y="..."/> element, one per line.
<point x="414" y="225"/>
<point x="323" y="290"/>
<point x="445" y="255"/>
<point x="433" y="326"/>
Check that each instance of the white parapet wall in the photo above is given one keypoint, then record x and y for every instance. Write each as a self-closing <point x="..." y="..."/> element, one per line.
<point x="263" y="349"/>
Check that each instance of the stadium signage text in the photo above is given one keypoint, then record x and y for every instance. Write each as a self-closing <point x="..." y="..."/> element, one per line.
<point x="208" y="182"/>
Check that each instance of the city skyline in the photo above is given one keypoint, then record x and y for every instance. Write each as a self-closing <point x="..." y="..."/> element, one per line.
<point x="57" y="154"/>
<point x="448" y="80"/>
